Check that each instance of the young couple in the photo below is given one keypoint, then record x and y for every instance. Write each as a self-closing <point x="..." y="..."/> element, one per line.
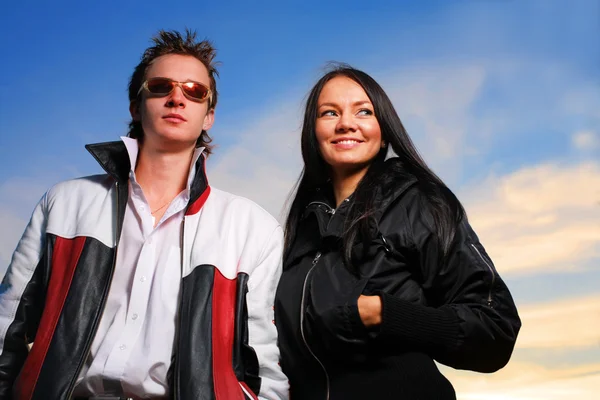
<point x="145" y="282"/>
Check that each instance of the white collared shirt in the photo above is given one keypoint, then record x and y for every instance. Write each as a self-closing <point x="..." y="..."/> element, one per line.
<point x="131" y="352"/>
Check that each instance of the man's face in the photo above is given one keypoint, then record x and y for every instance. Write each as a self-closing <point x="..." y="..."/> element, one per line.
<point x="173" y="121"/>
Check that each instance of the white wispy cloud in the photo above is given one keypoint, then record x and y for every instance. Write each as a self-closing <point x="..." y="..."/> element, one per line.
<point x="528" y="381"/>
<point x="435" y="103"/>
<point x="265" y="161"/>
<point x="586" y="140"/>
<point x="539" y="218"/>
<point x="544" y="324"/>
<point x="556" y="327"/>
<point x="18" y="197"/>
<point x="12" y="229"/>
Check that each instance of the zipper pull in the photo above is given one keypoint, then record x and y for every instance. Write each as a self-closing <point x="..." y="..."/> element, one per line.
<point x="316" y="259"/>
<point x="328" y="210"/>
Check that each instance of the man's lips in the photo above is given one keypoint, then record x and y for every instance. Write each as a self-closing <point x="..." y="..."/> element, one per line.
<point x="174" y="118"/>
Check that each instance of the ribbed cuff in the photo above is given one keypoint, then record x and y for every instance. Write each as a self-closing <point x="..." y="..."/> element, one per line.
<point x="418" y="327"/>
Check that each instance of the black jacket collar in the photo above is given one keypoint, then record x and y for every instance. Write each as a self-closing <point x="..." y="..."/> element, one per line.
<point x="393" y="182"/>
<point x="112" y="157"/>
<point x="322" y="226"/>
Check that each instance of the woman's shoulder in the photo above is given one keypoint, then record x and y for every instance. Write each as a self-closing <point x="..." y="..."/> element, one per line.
<point x="408" y="199"/>
<point x="403" y="189"/>
<point x="414" y="207"/>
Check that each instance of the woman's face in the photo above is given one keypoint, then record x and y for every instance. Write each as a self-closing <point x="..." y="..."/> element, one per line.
<point x="346" y="129"/>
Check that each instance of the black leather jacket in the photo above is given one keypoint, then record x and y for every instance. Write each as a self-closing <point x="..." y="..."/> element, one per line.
<point x="458" y="312"/>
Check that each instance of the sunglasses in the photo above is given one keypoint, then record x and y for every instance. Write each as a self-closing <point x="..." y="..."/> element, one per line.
<point x="161" y="87"/>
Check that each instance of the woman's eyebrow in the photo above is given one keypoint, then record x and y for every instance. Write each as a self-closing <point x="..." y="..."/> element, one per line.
<point x="357" y="103"/>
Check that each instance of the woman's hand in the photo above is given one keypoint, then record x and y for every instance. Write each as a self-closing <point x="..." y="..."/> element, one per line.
<point x="369" y="308"/>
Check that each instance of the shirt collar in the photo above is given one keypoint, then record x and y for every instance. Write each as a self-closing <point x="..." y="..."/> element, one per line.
<point x="133" y="149"/>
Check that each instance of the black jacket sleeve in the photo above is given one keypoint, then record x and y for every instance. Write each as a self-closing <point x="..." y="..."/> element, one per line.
<point x="22" y="294"/>
<point x="470" y="320"/>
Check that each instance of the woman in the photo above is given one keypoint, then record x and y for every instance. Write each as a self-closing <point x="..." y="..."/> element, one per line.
<point x="382" y="272"/>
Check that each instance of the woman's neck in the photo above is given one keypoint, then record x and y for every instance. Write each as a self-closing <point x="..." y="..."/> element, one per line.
<point x="345" y="183"/>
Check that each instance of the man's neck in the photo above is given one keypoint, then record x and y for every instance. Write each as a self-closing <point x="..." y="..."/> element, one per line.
<point x="162" y="175"/>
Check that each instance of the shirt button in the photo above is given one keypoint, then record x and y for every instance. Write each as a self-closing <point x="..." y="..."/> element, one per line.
<point x="134" y="316"/>
<point x="142" y="208"/>
<point x="143" y="279"/>
<point x="122" y="347"/>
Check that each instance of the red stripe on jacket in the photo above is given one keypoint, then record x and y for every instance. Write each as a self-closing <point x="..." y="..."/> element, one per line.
<point x="226" y="384"/>
<point x="65" y="257"/>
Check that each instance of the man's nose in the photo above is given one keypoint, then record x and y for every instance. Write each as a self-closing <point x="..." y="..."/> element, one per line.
<point x="176" y="98"/>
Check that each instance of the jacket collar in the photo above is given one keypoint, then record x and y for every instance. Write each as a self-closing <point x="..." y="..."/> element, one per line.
<point x="395" y="180"/>
<point x="321" y="226"/>
<point x="114" y="159"/>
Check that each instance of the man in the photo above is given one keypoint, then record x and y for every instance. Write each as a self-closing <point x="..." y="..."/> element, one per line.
<point x="144" y="281"/>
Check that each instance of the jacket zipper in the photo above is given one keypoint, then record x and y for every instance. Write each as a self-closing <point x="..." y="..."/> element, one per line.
<point x="489" y="299"/>
<point x="88" y="344"/>
<point x="178" y="318"/>
<point x="328" y="208"/>
<point x="302" y="309"/>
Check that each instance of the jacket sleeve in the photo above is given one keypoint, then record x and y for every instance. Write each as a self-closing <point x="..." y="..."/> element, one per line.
<point x="21" y="299"/>
<point x="470" y="320"/>
<point x="263" y="334"/>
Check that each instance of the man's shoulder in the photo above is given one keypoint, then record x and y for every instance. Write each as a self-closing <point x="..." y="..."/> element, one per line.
<point x="86" y="185"/>
<point x="242" y="207"/>
<point x="79" y="207"/>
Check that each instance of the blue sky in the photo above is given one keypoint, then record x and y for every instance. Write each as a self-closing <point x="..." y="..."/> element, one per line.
<point x="501" y="97"/>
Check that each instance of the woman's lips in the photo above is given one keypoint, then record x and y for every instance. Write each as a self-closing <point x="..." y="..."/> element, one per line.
<point x="345" y="144"/>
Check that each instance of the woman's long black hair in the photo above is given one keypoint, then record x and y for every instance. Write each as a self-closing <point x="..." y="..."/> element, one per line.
<point x="445" y="208"/>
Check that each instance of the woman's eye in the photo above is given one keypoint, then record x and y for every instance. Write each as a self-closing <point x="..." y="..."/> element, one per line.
<point x="328" y="113"/>
<point x="365" y="111"/>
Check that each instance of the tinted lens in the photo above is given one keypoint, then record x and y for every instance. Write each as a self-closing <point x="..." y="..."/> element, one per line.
<point x="160" y="86"/>
<point x="195" y="90"/>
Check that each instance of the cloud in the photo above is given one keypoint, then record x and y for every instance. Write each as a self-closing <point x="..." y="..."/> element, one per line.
<point x="544" y="324"/>
<point x="528" y="381"/>
<point x="18" y="197"/>
<point x="23" y="193"/>
<point x="265" y="161"/>
<point x="585" y="140"/>
<point x="435" y="106"/>
<point x="559" y="328"/>
<point x="539" y="218"/>
<point x="583" y="100"/>
<point x="12" y="229"/>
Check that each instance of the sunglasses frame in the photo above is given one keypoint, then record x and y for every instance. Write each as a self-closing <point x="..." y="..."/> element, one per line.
<point x="181" y="86"/>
